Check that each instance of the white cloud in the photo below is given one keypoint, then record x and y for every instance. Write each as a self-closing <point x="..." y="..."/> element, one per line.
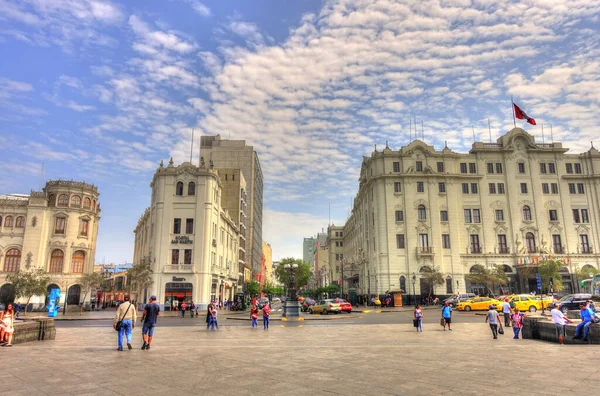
<point x="199" y="7"/>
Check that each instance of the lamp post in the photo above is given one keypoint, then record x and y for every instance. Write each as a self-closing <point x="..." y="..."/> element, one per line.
<point x="414" y="279"/>
<point x="291" y="303"/>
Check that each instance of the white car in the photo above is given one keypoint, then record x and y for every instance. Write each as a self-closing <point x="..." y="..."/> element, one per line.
<point x="276" y="300"/>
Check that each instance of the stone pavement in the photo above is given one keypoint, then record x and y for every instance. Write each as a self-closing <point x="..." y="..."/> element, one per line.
<point x="293" y="358"/>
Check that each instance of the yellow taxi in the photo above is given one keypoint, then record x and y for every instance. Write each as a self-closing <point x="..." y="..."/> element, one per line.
<point x="477" y="304"/>
<point x="526" y="302"/>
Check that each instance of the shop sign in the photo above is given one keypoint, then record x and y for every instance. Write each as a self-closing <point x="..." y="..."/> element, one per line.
<point x="182" y="240"/>
<point x="176" y="279"/>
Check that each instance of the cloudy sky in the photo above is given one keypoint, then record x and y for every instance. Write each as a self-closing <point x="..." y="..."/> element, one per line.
<point x="102" y="91"/>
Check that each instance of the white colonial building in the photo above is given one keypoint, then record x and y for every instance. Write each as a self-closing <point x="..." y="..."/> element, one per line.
<point x="510" y="203"/>
<point x="191" y="240"/>
<point x="56" y="230"/>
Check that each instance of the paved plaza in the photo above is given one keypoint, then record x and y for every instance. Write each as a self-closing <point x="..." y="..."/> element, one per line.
<point x="299" y="359"/>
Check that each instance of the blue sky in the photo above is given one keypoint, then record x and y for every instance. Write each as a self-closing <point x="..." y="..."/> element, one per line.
<point x="102" y="91"/>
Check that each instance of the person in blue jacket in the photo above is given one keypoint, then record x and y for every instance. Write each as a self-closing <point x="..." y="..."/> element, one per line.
<point x="587" y="316"/>
<point x="447" y="315"/>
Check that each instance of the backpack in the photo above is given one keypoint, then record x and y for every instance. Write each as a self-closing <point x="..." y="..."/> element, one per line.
<point x="512" y="304"/>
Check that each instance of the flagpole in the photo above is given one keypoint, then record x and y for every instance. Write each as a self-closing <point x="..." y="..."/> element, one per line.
<point x="422" y="131"/>
<point x="543" y="141"/>
<point x="490" y="130"/>
<point x="551" y="135"/>
<point x="409" y="130"/>
<point x="416" y="131"/>
<point x="192" y="146"/>
<point x="513" y="111"/>
<point x="473" y="127"/>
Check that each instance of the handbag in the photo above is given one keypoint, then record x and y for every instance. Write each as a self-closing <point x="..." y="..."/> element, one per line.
<point x="442" y="322"/>
<point x="416" y="322"/>
<point x="501" y="330"/>
<point x="119" y="324"/>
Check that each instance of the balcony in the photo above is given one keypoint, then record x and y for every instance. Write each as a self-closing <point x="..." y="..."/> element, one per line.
<point x="423" y="251"/>
<point x="559" y="249"/>
<point x="503" y="250"/>
<point x="585" y="249"/>
<point x="533" y="249"/>
<point x="181" y="268"/>
<point x="475" y="249"/>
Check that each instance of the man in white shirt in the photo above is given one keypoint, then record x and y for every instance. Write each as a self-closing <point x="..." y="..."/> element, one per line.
<point x="506" y="310"/>
<point x="559" y="322"/>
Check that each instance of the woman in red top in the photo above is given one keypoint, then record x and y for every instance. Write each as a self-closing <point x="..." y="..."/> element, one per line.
<point x="266" y="313"/>
<point x="254" y="316"/>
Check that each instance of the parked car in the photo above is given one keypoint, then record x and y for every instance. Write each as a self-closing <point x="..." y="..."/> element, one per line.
<point x="325" y="306"/>
<point x="526" y="302"/>
<point x="477" y="304"/>
<point x="572" y="301"/>
<point x="276" y="300"/>
<point x="455" y="299"/>
<point x="306" y="304"/>
<point x="344" y="305"/>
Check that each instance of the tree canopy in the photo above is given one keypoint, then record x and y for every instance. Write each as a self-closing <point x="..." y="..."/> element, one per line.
<point x="481" y="275"/>
<point x="139" y="277"/>
<point x="252" y="288"/>
<point x="29" y="283"/>
<point x="303" y="272"/>
<point x="549" y="269"/>
<point x="432" y="277"/>
<point x="90" y="282"/>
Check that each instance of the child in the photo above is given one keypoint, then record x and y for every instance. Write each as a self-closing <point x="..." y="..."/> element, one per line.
<point x="517" y="319"/>
<point x="254" y="316"/>
<point x="266" y="313"/>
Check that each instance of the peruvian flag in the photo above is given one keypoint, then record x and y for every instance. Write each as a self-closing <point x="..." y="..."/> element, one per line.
<point x="521" y="115"/>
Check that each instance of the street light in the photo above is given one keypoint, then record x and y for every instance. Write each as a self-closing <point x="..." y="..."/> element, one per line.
<point x="106" y="276"/>
<point x="291" y="303"/>
<point x="414" y="279"/>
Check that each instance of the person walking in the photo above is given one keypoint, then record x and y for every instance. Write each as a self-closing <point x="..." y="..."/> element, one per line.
<point x="418" y="316"/>
<point x="183" y="308"/>
<point x="447" y="315"/>
<point x="517" y="322"/>
<point x="127" y="315"/>
<point x="209" y="310"/>
<point x="213" y="320"/>
<point x="7" y="322"/>
<point x="493" y="318"/>
<point x="266" y="313"/>
<point x="560" y="320"/>
<point x="254" y="316"/>
<point x="506" y="310"/>
<point x="192" y="309"/>
<point x="149" y="317"/>
<point x="586" y="320"/>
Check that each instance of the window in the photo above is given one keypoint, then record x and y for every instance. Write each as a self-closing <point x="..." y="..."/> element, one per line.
<point x="545" y="188"/>
<point x="523" y="188"/>
<point x="499" y="215"/>
<point x="397" y="187"/>
<point x="475" y="247"/>
<point x="175" y="257"/>
<point x="443" y="215"/>
<point x="468" y="216"/>
<point x="440" y="167"/>
<point x="63" y="200"/>
<point x="542" y="167"/>
<point x="422" y="212"/>
<point x="476" y="216"/>
<point x="399" y="215"/>
<point x="473" y="188"/>
<point x="584" y="216"/>
<point x="420" y="187"/>
<point x="8" y="222"/>
<point x="56" y="261"/>
<point x="337" y="243"/>
<point x="20" y="222"/>
<point x="51" y="200"/>
<point x="419" y="166"/>
<point x="12" y="260"/>
<point x="187" y="256"/>
<point x="580" y="189"/>
<point x="557" y="243"/>
<point x="177" y="226"/>
<point x="554" y="188"/>
<point x="521" y="167"/>
<point x="87" y="203"/>
<point x="463" y="167"/>
<point x="571" y="188"/>
<point x="0" y="221"/>
<point x="77" y="262"/>
<point x="500" y="188"/>
<point x="59" y="225"/>
<point x="472" y="168"/>
<point x="446" y="241"/>
<point x="85" y="225"/>
<point x="569" y="168"/>
<point x="530" y="242"/>
<point x="490" y="167"/>
<point x="585" y="244"/>
<point x="576" y="217"/>
<point x="442" y="187"/>
<point x="498" y="167"/>
<point x="403" y="284"/>
<point x="578" y="168"/>
<point x="551" y="167"/>
<point x="492" y="187"/>
<point x="553" y="214"/>
<point x="449" y="285"/>
<point x="502" y="246"/>
<point x="179" y="188"/>
<point x="400" y="241"/>
<point x="76" y="201"/>
<point x="396" y="166"/>
<point x="189" y="226"/>
<point x="337" y="257"/>
<point x="423" y="240"/>
<point x="526" y="213"/>
<point x="465" y="188"/>
<point x="191" y="188"/>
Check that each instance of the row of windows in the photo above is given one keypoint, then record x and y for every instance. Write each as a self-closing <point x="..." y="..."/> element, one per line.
<point x="339" y="233"/>
<point x="496" y="167"/>
<point x="60" y="226"/>
<point x="580" y="188"/>
<point x="189" y="226"/>
<point x="10" y="222"/>
<point x="339" y="256"/>
<point x="339" y="243"/>
<point x="191" y="188"/>
<point x="496" y="188"/>
<point x="474" y="215"/>
<point x="12" y="261"/>
<point x="187" y="256"/>
<point x="63" y="201"/>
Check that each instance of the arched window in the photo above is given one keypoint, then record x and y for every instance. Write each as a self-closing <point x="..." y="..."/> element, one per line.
<point x="448" y="285"/>
<point x="422" y="212"/>
<point x="87" y="203"/>
<point x="56" y="261"/>
<point x="52" y="200"/>
<point x="78" y="258"/>
<point x="403" y="284"/>
<point x="76" y="201"/>
<point x="63" y="200"/>
<point x="530" y="241"/>
<point x="0" y="221"/>
<point x="192" y="188"/>
<point x="12" y="260"/>
<point x="526" y="213"/>
<point x="8" y="222"/>
<point x="179" y="188"/>
<point x="20" y="223"/>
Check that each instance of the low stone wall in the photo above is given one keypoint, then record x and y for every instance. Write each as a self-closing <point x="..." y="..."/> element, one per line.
<point x="538" y="327"/>
<point x="34" y="329"/>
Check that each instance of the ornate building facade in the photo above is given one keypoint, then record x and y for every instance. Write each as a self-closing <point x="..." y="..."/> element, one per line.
<point x="190" y="239"/>
<point x="54" y="229"/>
<point x="510" y="204"/>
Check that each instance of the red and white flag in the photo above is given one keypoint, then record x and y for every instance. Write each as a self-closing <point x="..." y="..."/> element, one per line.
<point x="521" y="115"/>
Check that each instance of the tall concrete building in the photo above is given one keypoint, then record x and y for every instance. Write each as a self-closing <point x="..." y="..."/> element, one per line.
<point x="510" y="204"/>
<point x="309" y="245"/>
<point x="335" y="246"/>
<point x="235" y="154"/>
<point x="267" y="252"/>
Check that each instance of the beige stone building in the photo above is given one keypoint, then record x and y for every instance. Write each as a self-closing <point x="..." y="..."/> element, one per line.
<point x="54" y="229"/>
<point x="191" y="240"/>
<point x="267" y="252"/>
<point x="511" y="204"/>
<point x="335" y="249"/>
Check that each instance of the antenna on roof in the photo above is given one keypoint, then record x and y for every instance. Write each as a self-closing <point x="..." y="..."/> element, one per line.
<point x="416" y="132"/>
<point x="192" y="148"/>
<point x="409" y="130"/>
<point x="41" y="176"/>
<point x="473" y="127"/>
<point x="490" y="130"/>
<point x="543" y="134"/>
<point x="551" y="135"/>
<point x="422" y="130"/>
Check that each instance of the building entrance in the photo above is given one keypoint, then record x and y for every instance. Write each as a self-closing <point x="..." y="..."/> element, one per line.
<point x="176" y="293"/>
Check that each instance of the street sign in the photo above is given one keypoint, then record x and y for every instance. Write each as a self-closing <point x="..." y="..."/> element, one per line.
<point x="539" y="281"/>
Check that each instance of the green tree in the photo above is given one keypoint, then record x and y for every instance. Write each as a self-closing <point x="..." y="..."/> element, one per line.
<point x="549" y="269"/>
<point x="481" y="275"/>
<point x="29" y="283"/>
<point x="90" y="282"/>
<point x="433" y="277"/>
<point x="252" y="288"/>
<point x="139" y="277"/>
<point x="303" y="272"/>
